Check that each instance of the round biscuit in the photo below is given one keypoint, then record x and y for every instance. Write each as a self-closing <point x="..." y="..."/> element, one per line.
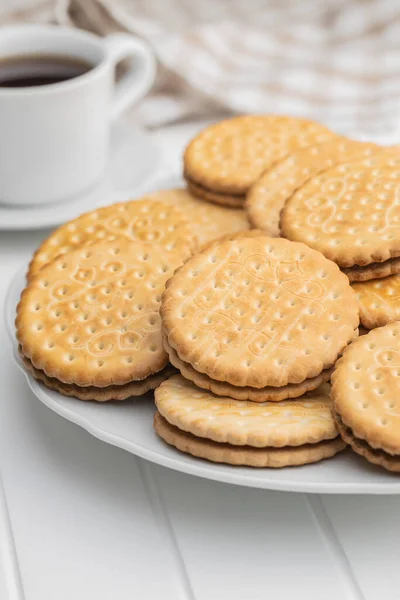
<point x="259" y="312"/>
<point x="244" y="455"/>
<point x="137" y="220"/>
<point x="91" y="317"/>
<point x="209" y="221"/>
<point x="267" y="197"/>
<point x="230" y="156"/>
<point x="306" y="420"/>
<point x="366" y="388"/>
<point x="350" y="213"/>
<point x="221" y="388"/>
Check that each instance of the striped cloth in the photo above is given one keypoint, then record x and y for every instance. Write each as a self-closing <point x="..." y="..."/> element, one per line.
<point x="337" y="61"/>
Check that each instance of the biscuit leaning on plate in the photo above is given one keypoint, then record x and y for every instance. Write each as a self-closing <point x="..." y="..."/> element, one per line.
<point x="209" y="221"/>
<point x="292" y="432"/>
<point x="366" y="396"/>
<point x="88" y="323"/>
<point x="147" y="222"/>
<point x="225" y="159"/>
<point x="351" y="213"/>
<point x="266" y="198"/>
<point x="265" y="317"/>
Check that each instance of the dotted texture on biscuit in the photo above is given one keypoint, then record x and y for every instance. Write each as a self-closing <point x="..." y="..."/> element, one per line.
<point x="378" y="301"/>
<point x="228" y="157"/>
<point x="366" y="388"/>
<point x="350" y="213"/>
<point x="259" y="312"/>
<point x="141" y="220"/>
<point x="246" y="455"/>
<point x="307" y="420"/>
<point x="92" y="316"/>
<point x="268" y="195"/>
<point x="208" y="221"/>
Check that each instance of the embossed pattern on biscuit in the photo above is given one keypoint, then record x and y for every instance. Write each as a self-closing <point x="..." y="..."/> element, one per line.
<point x="351" y="213"/>
<point x="288" y="423"/>
<point x="268" y="195"/>
<point x="141" y="220"/>
<point x="209" y="221"/>
<point x="92" y="316"/>
<point x="259" y="312"/>
<point x="366" y="388"/>
<point x="229" y="156"/>
<point x="378" y="301"/>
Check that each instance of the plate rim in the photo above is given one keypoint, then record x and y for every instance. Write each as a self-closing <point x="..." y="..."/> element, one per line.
<point x="198" y="469"/>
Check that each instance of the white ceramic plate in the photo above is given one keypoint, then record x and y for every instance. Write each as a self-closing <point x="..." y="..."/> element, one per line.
<point x="133" y="160"/>
<point x="128" y="425"/>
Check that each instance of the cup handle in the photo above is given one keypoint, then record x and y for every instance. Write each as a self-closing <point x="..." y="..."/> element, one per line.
<point x="138" y="79"/>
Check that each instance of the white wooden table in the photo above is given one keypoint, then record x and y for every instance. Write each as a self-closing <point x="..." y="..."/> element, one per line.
<point x="90" y="521"/>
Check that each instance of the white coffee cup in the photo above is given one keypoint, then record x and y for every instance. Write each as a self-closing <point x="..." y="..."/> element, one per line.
<point x="55" y="138"/>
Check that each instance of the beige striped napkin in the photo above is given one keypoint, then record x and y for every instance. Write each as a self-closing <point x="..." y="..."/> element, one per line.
<point x="337" y="60"/>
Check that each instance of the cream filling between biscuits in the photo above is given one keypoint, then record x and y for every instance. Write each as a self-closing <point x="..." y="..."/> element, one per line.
<point x="363" y="444"/>
<point x="392" y="262"/>
<point x="176" y="360"/>
<point x="238" y="196"/>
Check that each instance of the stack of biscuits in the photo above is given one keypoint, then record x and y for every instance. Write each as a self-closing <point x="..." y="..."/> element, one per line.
<point x="237" y="299"/>
<point x="254" y="322"/>
<point x="88" y="322"/>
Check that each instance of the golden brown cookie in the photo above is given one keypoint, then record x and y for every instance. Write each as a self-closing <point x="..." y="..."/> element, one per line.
<point x="366" y="393"/>
<point x="140" y="220"/>
<point x="222" y="388"/>
<point x="378" y="301"/>
<point x="106" y="394"/>
<point x="259" y="312"/>
<point x="228" y="157"/>
<point x="245" y="455"/>
<point x="91" y="317"/>
<point x="266" y="198"/>
<point x="306" y="420"/>
<point x="350" y="213"/>
<point x="209" y="221"/>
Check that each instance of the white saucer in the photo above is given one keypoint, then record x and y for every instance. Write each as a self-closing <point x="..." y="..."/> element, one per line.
<point x="129" y="425"/>
<point x="134" y="159"/>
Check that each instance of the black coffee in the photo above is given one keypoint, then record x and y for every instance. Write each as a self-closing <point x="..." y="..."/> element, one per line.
<point x="33" y="70"/>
